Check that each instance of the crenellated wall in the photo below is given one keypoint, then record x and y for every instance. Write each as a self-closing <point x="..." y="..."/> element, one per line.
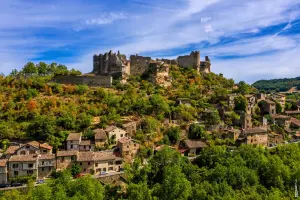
<point x="103" y="81"/>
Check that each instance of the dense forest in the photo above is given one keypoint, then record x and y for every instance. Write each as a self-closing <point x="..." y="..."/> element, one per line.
<point x="277" y="85"/>
<point x="245" y="173"/>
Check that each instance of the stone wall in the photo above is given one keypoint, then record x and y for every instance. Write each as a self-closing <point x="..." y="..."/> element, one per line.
<point x="103" y="81"/>
<point x="190" y="61"/>
<point x="110" y="64"/>
<point x="139" y="65"/>
<point x="168" y="61"/>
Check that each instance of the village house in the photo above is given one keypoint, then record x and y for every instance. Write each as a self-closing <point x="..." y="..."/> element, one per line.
<point x="86" y="161"/>
<point x="75" y="142"/>
<point x="251" y="100"/>
<point x="281" y="120"/>
<point x="280" y="98"/>
<point x="260" y="97"/>
<point x="3" y="171"/>
<point x="128" y="148"/>
<point x="107" y="161"/>
<point x="130" y="128"/>
<point x="295" y="123"/>
<point x="46" y="164"/>
<point x="267" y="107"/>
<point x="232" y="134"/>
<point x="275" y="139"/>
<point x="100" y="137"/>
<point x="255" y="136"/>
<point x="194" y="146"/>
<point x="115" y="133"/>
<point x="64" y="159"/>
<point x="23" y="165"/>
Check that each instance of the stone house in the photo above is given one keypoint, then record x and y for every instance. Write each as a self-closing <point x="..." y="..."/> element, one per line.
<point x="281" y="120"/>
<point x="100" y="137"/>
<point x="255" y="136"/>
<point x="114" y="133"/>
<point x="73" y="141"/>
<point x="280" y="98"/>
<point x="86" y="161"/>
<point x="232" y="134"/>
<point x="30" y="148"/>
<point x="295" y="123"/>
<point x="23" y="165"/>
<point x="128" y="148"/>
<point x="251" y="99"/>
<point x="64" y="159"/>
<point x="260" y="97"/>
<point x="267" y="107"/>
<point x="98" y="162"/>
<point x="46" y="164"/>
<point x="194" y="146"/>
<point x="130" y="127"/>
<point x="3" y="171"/>
<point x="274" y="139"/>
<point x="86" y="145"/>
<point x="106" y="161"/>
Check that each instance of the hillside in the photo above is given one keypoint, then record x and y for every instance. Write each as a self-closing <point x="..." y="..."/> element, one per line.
<point x="277" y="85"/>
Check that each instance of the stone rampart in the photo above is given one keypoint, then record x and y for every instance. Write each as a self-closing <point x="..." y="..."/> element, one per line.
<point x="102" y="81"/>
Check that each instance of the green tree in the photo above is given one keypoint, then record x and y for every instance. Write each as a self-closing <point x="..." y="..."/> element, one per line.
<point x="196" y="131"/>
<point x="240" y="103"/>
<point x="173" y="134"/>
<point x="30" y="68"/>
<point x="42" y="68"/>
<point x="75" y="169"/>
<point x="139" y="191"/>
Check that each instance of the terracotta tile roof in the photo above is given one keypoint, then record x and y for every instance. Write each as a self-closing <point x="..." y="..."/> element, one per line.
<point x="47" y="157"/>
<point x="85" y="156"/>
<point x="269" y="101"/>
<point x="86" y="142"/>
<point x="35" y="144"/>
<point x="280" y="117"/>
<point x="125" y="140"/>
<point x="255" y="130"/>
<point x="292" y="112"/>
<point x="295" y="122"/>
<point x="46" y="146"/>
<point x="67" y="153"/>
<point x="110" y="128"/>
<point x="11" y="150"/>
<point x="195" y="144"/>
<point x="100" y="134"/>
<point x="3" y="162"/>
<point x="23" y="158"/>
<point x="74" y="137"/>
<point x="104" y="155"/>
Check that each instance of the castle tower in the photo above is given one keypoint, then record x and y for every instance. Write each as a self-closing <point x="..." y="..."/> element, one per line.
<point x="96" y="64"/>
<point x="196" y="62"/>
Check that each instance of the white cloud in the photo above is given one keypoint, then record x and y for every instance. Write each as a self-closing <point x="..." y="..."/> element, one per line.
<point x="106" y="19"/>
<point x="205" y="19"/>
<point x="208" y="28"/>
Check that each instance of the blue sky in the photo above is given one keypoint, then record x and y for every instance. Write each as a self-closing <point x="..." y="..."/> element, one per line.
<point x="245" y="39"/>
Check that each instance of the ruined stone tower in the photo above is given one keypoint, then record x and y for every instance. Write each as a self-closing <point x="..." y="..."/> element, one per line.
<point x="192" y="60"/>
<point x="110" y="64"/>
<point x="205" y="65"/>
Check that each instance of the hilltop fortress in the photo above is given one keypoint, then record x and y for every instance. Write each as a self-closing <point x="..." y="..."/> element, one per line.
<point x="109" y="66"/>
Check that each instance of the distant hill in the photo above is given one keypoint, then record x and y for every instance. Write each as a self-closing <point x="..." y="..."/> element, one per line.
<point x="278" y="85"/>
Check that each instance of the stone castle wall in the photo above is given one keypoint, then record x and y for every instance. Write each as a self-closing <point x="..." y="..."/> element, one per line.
<point x="190" y="61"/>
<point x="139" y="65"/>
<point x="103" y="81"/>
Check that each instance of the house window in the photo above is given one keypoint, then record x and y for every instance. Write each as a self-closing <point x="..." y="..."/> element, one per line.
<point x="15" y="165"/>
<point x="43" y="169"/>
<point x="85" y="170"/>
<point x="32" y="152"/>
<point x="96" y="164"/>
<point x="45" y="151"/>
<point x="110" y="169"/>
<point x="49" y="169"/>
<point x="121" y="135"/>
<point x="81" y="164"/>
<point x="27" y="147"/>
<point x="111" y="163"/>
<point x="89" y="163"/>
<point x="16" y="172"/>
<point x="118" y="162"/>
<point x="104" y="169"/>
<point x="30" y="165"/>
<point x="62" y="159"/>
<point x="23" y="152"/>
<point x="29" y="172"/>
<point x="43" y="162"/>
<point x="72" y="158"/>
<point x="71" y="146"/>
